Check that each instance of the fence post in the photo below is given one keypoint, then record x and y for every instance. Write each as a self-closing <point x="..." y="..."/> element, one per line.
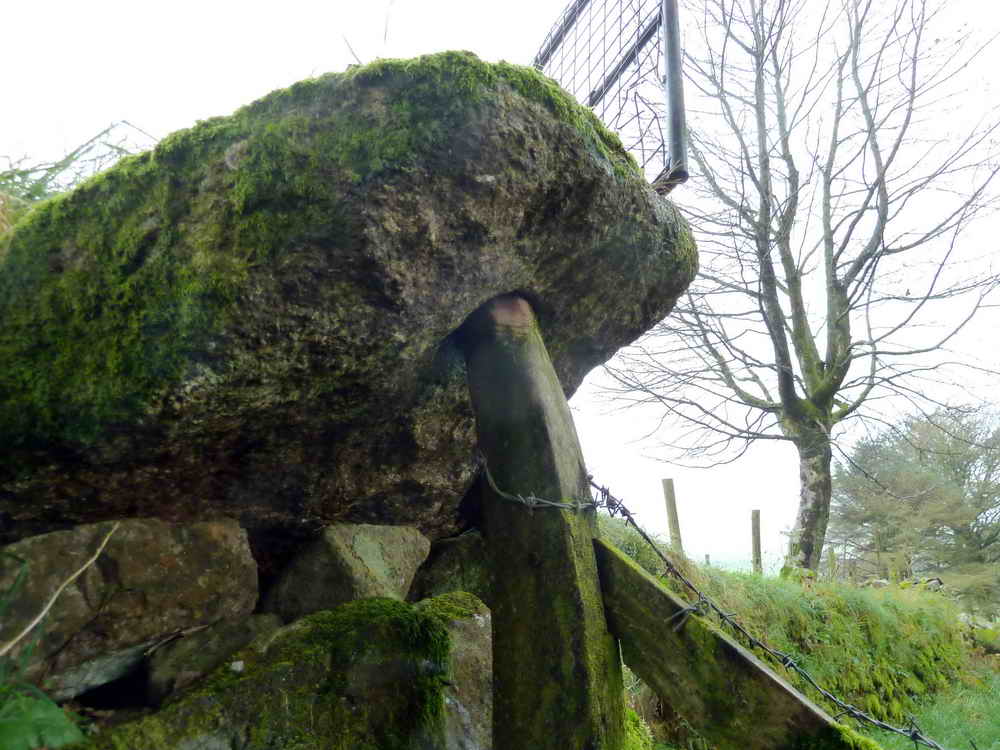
<point x="672" y="520"/>
<point x="758" y="566"/>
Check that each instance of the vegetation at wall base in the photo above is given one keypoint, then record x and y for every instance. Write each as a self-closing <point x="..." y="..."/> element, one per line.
<point x="29" y="719"/>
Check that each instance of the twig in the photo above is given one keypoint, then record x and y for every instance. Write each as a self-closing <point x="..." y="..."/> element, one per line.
<point x="52" y="600"/>
<point x="352" y="50"/>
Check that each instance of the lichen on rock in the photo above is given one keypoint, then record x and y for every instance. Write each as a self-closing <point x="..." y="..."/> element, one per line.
<point x="153" y="580"/>
<point x="348" y="562"/>
<point x="455" y="564"/>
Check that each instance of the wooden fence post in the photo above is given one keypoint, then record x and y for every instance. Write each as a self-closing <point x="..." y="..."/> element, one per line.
<point x="557" y="681"/>
<point x="758" y="566"/>
<point x="672" y="519"/>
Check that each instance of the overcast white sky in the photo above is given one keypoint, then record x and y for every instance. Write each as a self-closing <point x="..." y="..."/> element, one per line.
<point x="70" y="68"/>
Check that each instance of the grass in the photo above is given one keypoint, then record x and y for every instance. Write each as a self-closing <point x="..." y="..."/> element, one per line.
<point x="891" y="652"/>
<point x="957" y="717"/>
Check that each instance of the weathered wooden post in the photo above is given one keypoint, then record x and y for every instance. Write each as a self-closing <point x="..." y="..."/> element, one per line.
<point x="758" y="566"/>
<point x="672" y="520"/>
<point x="557" y="675"/>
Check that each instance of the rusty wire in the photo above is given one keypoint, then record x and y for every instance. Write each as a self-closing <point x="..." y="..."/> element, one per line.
<point x="531" y="501"/>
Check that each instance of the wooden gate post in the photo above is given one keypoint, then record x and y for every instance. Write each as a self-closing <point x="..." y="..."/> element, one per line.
<point x="557" y="675"/>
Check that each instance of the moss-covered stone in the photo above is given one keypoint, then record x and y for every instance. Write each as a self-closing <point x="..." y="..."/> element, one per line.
<point x="456" y="563"/>
<point x="348" y="562"/>
<point x="151" y="230"/>
<point x="250" y="317"/>
<point x="369" y="675"/>
<point x="153" y="579"/>
<point x="177" y="664"/>
<point x="469" y="695"/>
<point x="454" y="605"/>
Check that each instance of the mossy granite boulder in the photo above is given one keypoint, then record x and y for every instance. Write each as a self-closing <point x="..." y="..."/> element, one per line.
<point x="348" y="562"/>
<point x="468" y="697"/>
<point x="375" y="674"/>
<point x="254" y="318"/>
<point x="154" y="581"/>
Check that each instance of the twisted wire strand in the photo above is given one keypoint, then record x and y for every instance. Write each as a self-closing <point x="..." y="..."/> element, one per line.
<point x="532" y="501"/>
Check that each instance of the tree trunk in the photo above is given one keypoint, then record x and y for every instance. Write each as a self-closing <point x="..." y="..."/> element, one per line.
<point x="806" y="542"/>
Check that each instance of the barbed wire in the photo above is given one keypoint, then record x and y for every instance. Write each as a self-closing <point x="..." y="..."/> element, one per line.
<point x="704" y="605"/>
<point x="531" y="501"/>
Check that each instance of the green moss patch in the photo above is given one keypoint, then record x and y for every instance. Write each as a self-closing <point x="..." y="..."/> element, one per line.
<point x="368" y="675"/>
<point x="878" y="650"/>
<point x="454" y="605"/>
<point x="114" y="294"/>
<point x="637" y="734"/>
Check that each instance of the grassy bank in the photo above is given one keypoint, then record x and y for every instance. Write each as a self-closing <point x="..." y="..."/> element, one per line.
<point x="891" y="652"/>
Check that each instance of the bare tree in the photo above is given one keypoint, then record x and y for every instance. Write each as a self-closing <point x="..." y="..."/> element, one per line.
<point x="830" y="192"/>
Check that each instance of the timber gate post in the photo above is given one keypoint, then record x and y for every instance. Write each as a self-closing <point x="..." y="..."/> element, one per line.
<point x="557" y="671"/>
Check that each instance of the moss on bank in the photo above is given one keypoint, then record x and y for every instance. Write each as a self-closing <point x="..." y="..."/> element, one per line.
<point x="879" y="649"/>
<point x="368" y="675"/>
<point x="112" y="294"/>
